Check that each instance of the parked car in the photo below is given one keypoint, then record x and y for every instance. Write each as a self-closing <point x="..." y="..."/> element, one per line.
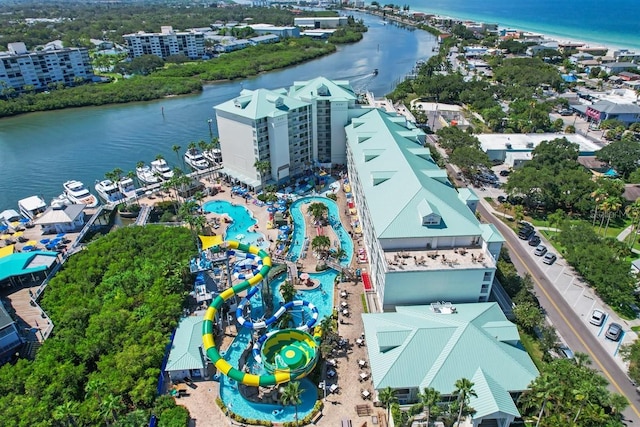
<point x="534" y="240"/>
<point x="540" y="250"/>
<point x="525" y="233"/>
<point x="614" y="331"/>
<point x="549" y="258"/>
<point x="566" y="112"/>
<point x="597" y="317"/>
<point x="565" y="351"/>
<point x="502" y="199"/>
<point x="505" y="172"/>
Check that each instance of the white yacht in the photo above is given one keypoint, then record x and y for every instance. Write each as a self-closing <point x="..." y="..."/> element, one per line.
<point x="127" y="187"/>
<point x="160" y="168"/>
<point x="32" y="206"/>
<point x="195" y="159"/>
<point x="60" y="201"/>
<point x="213" y="156"/>
<point x="146" y="175"/>
<point x="108" y="191"/>
<point x="78" y="194"/>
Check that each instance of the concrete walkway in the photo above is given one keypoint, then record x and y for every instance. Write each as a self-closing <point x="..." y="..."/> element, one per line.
<point x="623" y="236"/>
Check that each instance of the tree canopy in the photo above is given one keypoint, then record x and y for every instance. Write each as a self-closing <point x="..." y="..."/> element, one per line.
<point x="113" y="306"/>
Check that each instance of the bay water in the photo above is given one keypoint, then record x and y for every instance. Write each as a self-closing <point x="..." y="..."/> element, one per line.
<point x="39" y="151"/>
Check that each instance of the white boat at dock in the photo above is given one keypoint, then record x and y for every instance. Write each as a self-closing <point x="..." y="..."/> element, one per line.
<point x="31" y="207"/>
<point x="108" y="191"/>
<point x="127" y="187"/>
<point x="194" y="158"/>
<point x="161" y="169"/>
<point x="61" y="200"/>
<point x="78" y="194"/>
<point x="146" y="175"/>
<point x="214" y="156"/>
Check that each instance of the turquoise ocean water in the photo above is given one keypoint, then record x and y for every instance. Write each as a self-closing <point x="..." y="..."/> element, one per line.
<point x="612" y="23"/>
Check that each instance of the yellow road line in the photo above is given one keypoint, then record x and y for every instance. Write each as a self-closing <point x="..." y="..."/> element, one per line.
<point x="566" y="321"/>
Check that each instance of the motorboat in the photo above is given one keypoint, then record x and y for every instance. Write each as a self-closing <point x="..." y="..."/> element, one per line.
<point x="161" y="169"/>
<point x="214" y="156"/>
<point x="146" y="175"/>
<point x="108" y="191"/>
<point x="127" y="187"/>
<point x="194" y="158"/>
<point x="79" y="195"/>
<point x="60" y="201"/>
<point x="32" y="206"/>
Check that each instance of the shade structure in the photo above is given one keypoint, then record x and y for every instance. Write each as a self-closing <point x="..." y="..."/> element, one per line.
<point x="210" y="241"/>
<point x="304" y="276"/>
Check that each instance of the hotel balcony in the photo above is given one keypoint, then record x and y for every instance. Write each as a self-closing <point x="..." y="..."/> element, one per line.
<point x="439" y="259"/>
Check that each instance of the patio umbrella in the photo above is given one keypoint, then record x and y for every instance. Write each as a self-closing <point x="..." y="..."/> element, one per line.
<point x="271" y="209"/>
<point x="304" y="276"/>
<point x="282" y="208"/>
<point x="269" y="203"/>
<point x="45" y="241"/>
<point x="285" y="228"/>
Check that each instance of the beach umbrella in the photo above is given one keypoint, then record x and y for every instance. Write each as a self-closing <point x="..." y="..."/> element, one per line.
<point x="269" y="203"/>
<point x="271" y="209"/>
<point x="285" y="228"/>
<point x="282" y="208"/>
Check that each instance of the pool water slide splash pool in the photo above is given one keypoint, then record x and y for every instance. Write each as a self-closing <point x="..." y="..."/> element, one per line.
<point x="298" y="353"/>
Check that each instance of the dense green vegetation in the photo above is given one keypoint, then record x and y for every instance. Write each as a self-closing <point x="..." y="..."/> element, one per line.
<point x="114" y="306"/>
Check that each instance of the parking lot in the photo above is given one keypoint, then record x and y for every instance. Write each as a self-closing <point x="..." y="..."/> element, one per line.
<point x="582" y="299"/>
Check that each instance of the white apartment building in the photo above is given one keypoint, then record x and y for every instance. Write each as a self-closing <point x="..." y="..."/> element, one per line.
<point x="20" y="68"/>
<point x="166" y="43"/>
<point x="421" y="235"/>
<point x="292" y="129"/>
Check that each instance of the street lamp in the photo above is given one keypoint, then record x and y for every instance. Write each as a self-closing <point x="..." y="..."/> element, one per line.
<point x="210" y="131"/>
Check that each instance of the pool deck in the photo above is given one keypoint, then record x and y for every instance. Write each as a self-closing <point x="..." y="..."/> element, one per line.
<point x="338" y="406"/>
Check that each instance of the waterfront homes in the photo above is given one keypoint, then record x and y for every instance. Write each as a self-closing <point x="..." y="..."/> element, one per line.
<point x="21" y="69"/>
<point x="166" y="43"/>
<point x="435" y="345"/>
<point x="424" y="241"/>
<point x="292" y="130"/>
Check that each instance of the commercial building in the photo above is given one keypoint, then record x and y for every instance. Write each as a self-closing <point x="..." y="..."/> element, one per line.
<point x="186" y="359"/>
<point x="320" y="22"/>
<point x="166" y="43"/>
<point x="22" y="70"/>
<point x="292" y="129"/>
<point x="282" y="32"/>
<point x="436" y="345"/>
<point x="606" y="110"/>
<point x="424" y="241"/>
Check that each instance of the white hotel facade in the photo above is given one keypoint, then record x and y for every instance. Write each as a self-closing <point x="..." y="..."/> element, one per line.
<point x="421" y="234"/>
<point x="166" y="43"/>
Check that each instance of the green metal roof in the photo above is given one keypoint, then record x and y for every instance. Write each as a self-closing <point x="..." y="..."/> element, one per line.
<point x="490" y="233"/>
<point x="491" y="397"/>
<point x="323" y="88"/>
<point x="21" y="263"/>
<point x="261" y="103"/>
<point x="384" y="145"/>
<point x="185" y="349"/>
<point x="438" y="349"/>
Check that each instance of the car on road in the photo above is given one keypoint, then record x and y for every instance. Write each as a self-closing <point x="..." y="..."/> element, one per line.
<point x="614" y="331"/>
<point x="540" y="250"/>
<point x="534" y="240"/>
<point x="549" y="258"/>
<point x="597" y="317"/>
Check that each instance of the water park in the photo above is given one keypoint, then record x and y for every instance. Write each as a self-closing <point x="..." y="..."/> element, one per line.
<point x="256" y="335"/>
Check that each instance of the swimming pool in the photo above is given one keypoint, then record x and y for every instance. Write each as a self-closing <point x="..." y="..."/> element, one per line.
<point x="299" y="231"/>
<point x="242" y="221"/>
<point x="321" y="297"/>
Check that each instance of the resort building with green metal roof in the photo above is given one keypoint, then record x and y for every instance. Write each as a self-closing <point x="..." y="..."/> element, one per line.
<point x="424" y="241"/>
<point x="292" y="129"/>
<point x="435" y="345"/>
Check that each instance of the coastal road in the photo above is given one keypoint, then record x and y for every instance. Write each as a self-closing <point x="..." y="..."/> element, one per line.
<point x="568" y="324"/>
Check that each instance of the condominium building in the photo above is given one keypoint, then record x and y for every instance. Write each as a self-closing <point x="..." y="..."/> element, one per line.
<point x="21" y="69"/>
<point x="292" y="129"/>
<point x="166" y="43"/>
<point x="423" y="239"/>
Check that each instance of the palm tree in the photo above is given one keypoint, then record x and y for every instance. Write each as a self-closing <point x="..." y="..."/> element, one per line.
<point x="339" y="253"/>
<point x="291" y="395"/>
<point x="318" y="210"/>
<point x="430" y="397"/>
<point x="614" y="205"/>
<point x="176" y="149"/>
<point x="633" y="212"/>
<point x="387" y="396"/>
<point x="95" y="388"/>
<point x="110" y="407"/>
<point x="464" y="390"/>
<point x="320" y="244"/>
<point x="288" y="291"/>
<point x="262" y="166"/>
<point x="598" y="196"/>
<point x="67" y="412"/>
<point x="117" y="173"/>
